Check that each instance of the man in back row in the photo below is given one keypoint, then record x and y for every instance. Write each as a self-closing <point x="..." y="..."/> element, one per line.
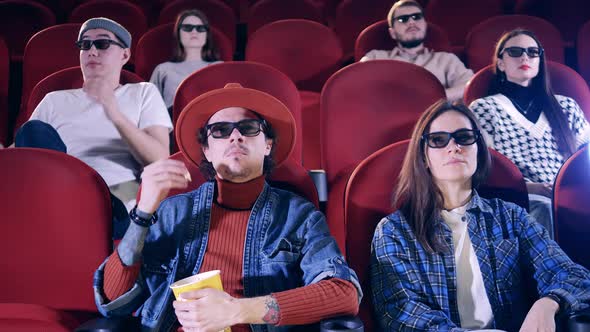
<point x="279" y="264"/>
<point x="408" y="28"/>
<point x="115" y="129"/>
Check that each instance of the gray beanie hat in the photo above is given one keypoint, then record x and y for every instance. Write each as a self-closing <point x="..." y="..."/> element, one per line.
<point x="104" y="23"/>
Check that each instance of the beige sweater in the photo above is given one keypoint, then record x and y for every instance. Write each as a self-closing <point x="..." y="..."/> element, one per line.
<point x="447" y="67"/>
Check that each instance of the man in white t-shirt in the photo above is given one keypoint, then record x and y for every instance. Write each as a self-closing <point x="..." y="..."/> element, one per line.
<point x="116" y="129"/>
<point x="408" y="29"/>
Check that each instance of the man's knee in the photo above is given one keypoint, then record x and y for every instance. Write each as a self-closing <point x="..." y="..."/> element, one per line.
<point x="38" y="134"/>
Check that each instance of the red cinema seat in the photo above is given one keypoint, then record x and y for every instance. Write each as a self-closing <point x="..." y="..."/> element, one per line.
<point x="457" y="17"/>
<point x="567" y="15"/>
<point x="291" y="42"/>
<point x="583" y="48"/>
<point x="21" y="19"/>
<point x="364" y="107"/>
<point x="4" y="75"/>
<point x="570" y="206"/>
<point x="482" y="39"/>
<point x="62" y="209"/>
<point x="353" y="16"/>
<point x="308" y="52"/>
<point x="58" y="41"/>
<point x="264" y="12"/>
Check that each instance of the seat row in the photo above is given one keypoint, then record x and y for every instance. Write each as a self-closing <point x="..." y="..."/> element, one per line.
<point x="66" y="242"/>
<point x="348" y="17"/>
<point x="349" y="120"/>
<point x="291" y="40"/>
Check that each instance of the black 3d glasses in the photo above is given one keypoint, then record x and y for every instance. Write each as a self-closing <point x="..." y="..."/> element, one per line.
<point x="100" y="44"/>
<point x="516" y="52"/>
<point x="440" y="139"/>
<point x="406" y="18"/>
<point x="247" y="127"/>
<point x="191" y="27"/>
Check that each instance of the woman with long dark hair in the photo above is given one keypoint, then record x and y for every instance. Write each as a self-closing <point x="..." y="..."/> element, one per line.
<point x="450" y="260"/>
<point x="194" y="48"/>
<point x="525" y="121"/>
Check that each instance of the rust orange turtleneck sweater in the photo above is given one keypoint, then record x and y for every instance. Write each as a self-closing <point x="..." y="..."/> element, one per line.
<point x="225" y="248"/>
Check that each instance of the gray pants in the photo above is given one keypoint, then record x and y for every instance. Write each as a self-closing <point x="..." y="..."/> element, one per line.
<point x="542" y="211"/>
<point x="126" y="192"/>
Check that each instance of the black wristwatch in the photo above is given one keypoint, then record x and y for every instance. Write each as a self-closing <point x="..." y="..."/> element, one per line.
<point x="141" y="218"/>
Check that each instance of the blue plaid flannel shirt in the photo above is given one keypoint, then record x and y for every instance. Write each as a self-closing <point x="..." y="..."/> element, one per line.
<point x="414" y="290"/>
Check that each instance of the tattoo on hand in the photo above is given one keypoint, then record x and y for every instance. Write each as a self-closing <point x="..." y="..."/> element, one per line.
<point x="272" y="311"/>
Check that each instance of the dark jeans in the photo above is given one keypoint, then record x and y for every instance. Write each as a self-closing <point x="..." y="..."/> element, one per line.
<point x="38" y="134"/>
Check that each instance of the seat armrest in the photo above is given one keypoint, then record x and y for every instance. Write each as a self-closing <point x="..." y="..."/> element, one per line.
<point x="321" y="183"/>
<point x="342" y="324"/>
<point x="579" y="322"/>
<point x="130" y="324"/>
<point x="114" y="324"/>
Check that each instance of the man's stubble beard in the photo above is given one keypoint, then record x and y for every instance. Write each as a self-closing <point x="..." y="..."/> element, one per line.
<point x="410" y="43"/>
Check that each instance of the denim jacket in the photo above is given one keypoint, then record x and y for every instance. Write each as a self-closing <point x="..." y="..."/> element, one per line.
<point x="288" y="245"/>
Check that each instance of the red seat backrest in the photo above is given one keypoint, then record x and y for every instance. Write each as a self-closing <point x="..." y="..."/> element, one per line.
<point x="220" y="15"/>
<point x="457" y="17"/>
<point x="377" y="37"/>
<point x="564" y="81"/>
<point x="157" y="44"/>
<point x="4" y="75"/>
<point x="69" y="78"/>
<point x="249" y="74"/>
<point x="369" y="195"/>
<point x="56" y="41"/>
<point x="308" y="52"/>
<point x="570" y="206"/>
<point x="264" y="12"/>
<point x="364" y="107"/>
<point x="482" y="39"/>
<point x="505" y="181"/>
<point x="56" y="226"/>
<point x="567" y="15"/>
<point x="19" y="20"/>
<point x="353" y="16"/>
<point x="583" y="48"/>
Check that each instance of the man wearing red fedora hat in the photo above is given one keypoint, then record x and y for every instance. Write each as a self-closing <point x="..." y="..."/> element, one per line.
<point x="279" y="264"/>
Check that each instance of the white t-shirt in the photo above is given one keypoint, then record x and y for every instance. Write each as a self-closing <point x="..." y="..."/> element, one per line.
<point x="91" y="137"/>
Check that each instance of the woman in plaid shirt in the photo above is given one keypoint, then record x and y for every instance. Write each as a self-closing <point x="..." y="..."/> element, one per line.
<point x="451" y="260"/>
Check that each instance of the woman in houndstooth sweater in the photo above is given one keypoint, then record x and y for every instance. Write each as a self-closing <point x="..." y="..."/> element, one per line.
<point x="525" y="121"/>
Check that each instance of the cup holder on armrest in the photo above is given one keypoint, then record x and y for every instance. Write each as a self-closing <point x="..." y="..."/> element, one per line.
<point x="342" y="324"/>
<point x="579" y="322"/>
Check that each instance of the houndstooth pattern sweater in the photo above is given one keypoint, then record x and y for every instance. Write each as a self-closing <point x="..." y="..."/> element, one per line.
<point x="531" y="146"/>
